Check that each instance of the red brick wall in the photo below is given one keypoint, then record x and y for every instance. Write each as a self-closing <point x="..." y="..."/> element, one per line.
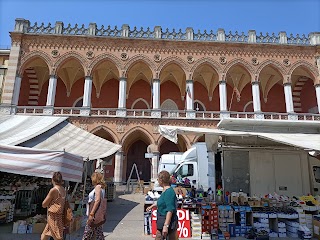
<point x="109" y="94"/>
<point x="245" y="97"/>
<point x="61" y="93"/>
<point x="201" y="94"/>
<point x="140" y="89"/>
<point x="308" y="96"/>
<point x="24" y="91"/>
<point x="42" y="101"/>
<point x="169" y="90"/>
<point x="167" y="147"/>
<point x="276" y="100"/>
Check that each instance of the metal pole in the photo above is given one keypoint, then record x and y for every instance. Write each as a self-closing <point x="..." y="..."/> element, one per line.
<point x="85" y="182"/>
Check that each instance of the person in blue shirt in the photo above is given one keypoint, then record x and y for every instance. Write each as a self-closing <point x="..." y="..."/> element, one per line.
<point x="167" y="220"/>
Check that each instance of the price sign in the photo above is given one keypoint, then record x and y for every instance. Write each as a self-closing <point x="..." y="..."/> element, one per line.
<point x="183" y="223"/>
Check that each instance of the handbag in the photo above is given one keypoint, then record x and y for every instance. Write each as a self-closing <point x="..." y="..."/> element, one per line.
<point x="100" y="213"/>
<point x="67" y="214"/>
<point x="173" y="222"/>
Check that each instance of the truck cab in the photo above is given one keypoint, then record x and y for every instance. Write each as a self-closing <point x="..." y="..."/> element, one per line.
<point x="197" y="166"/>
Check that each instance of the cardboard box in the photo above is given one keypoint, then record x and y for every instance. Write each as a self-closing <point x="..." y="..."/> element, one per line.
<point x="316" y="229"/>
<point x="38" y="227"/>
<point x="146" y="190"/>
<point x="178" y="190"/>
<point x="234" y="199"/>
<point x="243" y="200"/>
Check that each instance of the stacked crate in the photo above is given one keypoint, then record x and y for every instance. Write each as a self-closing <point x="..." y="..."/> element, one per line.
<point x="243" y="220"/>
<point x="196" y="226"/>
<point x="209" y="215"/>
<point x="226" y="217"/>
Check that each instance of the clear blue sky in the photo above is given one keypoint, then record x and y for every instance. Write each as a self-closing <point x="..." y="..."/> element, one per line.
<point x="292" y="16"/>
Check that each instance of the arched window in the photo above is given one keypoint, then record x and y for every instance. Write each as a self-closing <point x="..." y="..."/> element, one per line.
<point x="169" y="105"/>
<point x="140" y="103"/>
<point x="78" y="102"/>
<point x="248" y="107"/>
<point x="198" y="106"/>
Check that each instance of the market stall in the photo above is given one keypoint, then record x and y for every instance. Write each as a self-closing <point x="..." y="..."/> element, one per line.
<point x="265" y="149"/>
<point x="24" y="172"/>
<point x="37" y="146"/>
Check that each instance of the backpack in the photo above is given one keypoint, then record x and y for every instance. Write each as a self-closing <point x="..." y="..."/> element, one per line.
<point x="100" y="214"/>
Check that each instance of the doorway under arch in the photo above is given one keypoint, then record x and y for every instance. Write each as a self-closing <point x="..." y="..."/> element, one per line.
<point x="135" y="155"/>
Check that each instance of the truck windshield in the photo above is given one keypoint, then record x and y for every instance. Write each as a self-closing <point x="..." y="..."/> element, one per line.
<point x="185" y="170"/>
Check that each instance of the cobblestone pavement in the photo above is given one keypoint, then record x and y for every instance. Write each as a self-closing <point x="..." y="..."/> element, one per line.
<point x="124" y="221"/>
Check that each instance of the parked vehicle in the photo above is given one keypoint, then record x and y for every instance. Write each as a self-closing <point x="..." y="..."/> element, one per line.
<point x="169" y="161"/>
<point x="256" y="171"/>
<point x="194" y="164"/>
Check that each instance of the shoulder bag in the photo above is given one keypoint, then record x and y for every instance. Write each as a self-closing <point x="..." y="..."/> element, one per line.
<point x="100" y="213"/>
<point x="67" y="214"/>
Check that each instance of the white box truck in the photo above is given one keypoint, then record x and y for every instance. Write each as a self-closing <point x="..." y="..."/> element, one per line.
<point x="254" y="171"/>
<point x="169" y="161"/>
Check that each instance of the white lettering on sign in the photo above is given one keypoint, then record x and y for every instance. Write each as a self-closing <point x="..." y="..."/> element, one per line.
<point x="184" y="230"/>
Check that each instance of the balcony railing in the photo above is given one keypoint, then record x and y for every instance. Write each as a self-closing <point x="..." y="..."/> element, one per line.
<point x="163" y="114"/>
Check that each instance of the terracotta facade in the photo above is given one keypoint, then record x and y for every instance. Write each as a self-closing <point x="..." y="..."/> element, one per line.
<point x="105" y="60"/>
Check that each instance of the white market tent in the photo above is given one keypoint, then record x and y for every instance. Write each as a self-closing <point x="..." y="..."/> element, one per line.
<point x="53" y="133"/>
<point x="304" y="135"/>
<point x="247" y="133"/>
<point x="40" y="163"/>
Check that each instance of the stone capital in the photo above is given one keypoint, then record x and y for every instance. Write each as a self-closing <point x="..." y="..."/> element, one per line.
<point x="287" y="84"/>
<point x="255" y="83"/>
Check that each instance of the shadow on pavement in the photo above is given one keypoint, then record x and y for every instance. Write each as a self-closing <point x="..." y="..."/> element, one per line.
<point x="117" y="211"/>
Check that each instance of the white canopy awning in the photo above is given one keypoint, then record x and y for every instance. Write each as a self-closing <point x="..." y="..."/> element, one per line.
<point x="40" y="163"/>
<point x="307" y="141"/>
<point x="53" y="133"/>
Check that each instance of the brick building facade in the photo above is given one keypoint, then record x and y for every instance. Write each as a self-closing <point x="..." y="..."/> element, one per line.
<point x="120" y="84"/>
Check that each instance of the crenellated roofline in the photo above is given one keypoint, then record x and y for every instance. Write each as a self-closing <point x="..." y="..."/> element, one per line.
<point x="24" y="26"/>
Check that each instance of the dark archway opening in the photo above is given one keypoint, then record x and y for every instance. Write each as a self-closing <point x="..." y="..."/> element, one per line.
<point x="136" y="155"/>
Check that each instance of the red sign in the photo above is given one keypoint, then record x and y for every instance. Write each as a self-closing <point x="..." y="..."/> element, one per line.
<point x="184" y="230"/>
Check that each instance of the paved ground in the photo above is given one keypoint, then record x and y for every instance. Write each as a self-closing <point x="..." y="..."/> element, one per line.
<point x="125" y="221"/>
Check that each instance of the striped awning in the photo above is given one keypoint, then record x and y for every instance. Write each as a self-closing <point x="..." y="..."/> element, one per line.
<point x="53" y="133"/>
<point x="40" y="163"/>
